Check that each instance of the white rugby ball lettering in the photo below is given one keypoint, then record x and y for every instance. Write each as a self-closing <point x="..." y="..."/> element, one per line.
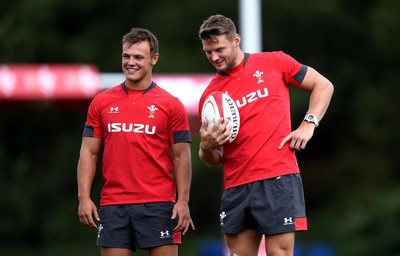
<point x="217" y="105"/>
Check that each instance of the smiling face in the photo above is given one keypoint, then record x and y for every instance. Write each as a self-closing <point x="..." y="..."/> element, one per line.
<point x="224" y="54"/>
<point x="137" y="64"/>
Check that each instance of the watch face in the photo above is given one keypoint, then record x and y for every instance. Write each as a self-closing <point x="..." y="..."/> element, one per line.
<point x="311" y="119"/>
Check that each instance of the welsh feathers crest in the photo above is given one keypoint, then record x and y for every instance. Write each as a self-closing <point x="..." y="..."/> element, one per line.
<point x="152" y="110"/>
<point x="258" y="74"/>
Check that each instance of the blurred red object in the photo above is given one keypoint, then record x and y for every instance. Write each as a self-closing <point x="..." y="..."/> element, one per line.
<point x="48" y="81"/>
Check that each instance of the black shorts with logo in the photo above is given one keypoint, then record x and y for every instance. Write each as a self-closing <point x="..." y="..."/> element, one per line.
<point x="270" y="206"/>
<point x="137" y="226"/>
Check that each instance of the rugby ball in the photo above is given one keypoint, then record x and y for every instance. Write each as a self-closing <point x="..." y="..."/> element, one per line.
<point x="219" y="104"/>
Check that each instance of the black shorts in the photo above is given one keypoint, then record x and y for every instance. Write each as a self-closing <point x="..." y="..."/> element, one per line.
<point x="137" y="226"/>
<point x="270" y="206"/>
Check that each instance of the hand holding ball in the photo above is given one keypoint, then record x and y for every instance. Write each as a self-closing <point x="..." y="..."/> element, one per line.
<point x="217" y="105"/>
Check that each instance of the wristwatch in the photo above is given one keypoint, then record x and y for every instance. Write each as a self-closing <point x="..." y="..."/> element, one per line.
<point x="311" y="119"/>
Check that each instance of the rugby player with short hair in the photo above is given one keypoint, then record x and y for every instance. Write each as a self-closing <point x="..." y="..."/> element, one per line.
<point x="263" y="189"/>
<point x="145" y="135"/>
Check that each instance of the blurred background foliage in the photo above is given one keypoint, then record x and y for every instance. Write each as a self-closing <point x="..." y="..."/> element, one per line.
<point x="351" y="179"/>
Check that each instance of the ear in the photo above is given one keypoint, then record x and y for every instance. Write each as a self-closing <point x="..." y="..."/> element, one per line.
<point x="154" y="59"/>
<point x="237" y="39"/>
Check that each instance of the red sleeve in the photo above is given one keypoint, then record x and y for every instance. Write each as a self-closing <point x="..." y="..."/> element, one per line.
<point x="293" y="71"/>
<point x="94" y="118"/>
<point x="179" y="124"/>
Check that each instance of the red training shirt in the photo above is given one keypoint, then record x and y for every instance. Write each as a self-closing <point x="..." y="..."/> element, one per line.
<point x="259" y="86"/>
<point x="138" y="128"/>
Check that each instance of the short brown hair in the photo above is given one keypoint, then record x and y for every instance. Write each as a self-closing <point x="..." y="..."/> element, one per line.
<point x="136" y="35"/>
<point x="217" y="25"/>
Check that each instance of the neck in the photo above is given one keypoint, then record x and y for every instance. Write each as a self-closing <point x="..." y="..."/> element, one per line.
<point x="142" y="84"/>
<point x="239" y="59"/>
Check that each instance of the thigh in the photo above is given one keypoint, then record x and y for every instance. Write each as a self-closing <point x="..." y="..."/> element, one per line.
<point x="244" y="243"/>
<point x="107" y="251"/>
<point x="165" y="250"/>
<point x="152" y="225"/>
<point x="280" y="244"/>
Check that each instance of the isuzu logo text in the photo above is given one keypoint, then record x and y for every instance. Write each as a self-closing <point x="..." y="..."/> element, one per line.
<point x="251" y="97"/>
<point x="130" y="127"/>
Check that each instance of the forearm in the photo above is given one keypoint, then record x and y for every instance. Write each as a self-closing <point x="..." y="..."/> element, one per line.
<point x="210" y="157"/>
<point x="320" y="99"/>
<point x="183" y="177"/>
<point x="86" y="169"/>
<point x="85" y="174"/>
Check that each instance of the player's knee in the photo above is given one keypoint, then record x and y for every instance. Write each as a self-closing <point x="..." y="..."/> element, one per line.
<point x="280" y="250"/>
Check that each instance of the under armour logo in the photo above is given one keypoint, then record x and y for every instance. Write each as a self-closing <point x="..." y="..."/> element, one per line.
<point x="288" y="221"/>
<point x="164" y="234"/>
<point x="114" y="110"/>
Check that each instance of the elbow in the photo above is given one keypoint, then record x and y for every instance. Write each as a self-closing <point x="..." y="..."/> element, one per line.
<point x="328" y="85"/>
<point x="331" y="87"/>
